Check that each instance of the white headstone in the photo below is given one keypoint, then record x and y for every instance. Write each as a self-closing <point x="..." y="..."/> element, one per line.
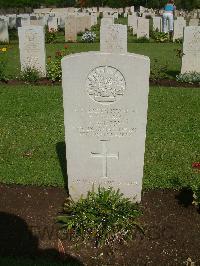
<point x="4" y="36"/>
<point x="179" y="25"/>
<point x="12" y="21"/>
<point x="107" y="21"/>
<point x="32" y="48"/>
<point x="25" y="21"/>
<point x="157" y="24"/>
<point x="143" y="28"/>
<point x="194" y="22"/>
<point x="80" y="24"/>
<point x="191" y="50"/>
<point x="105" y="116"/>
<point x="132" y="22"/>
<point x="70" y="28"/>
<point x="132" y="9"/>
<point x="53" y="24"/>
<point x="113" y="38"/>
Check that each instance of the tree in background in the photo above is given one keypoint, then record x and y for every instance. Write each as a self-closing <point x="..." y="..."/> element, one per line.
<point x="181" y="4"/>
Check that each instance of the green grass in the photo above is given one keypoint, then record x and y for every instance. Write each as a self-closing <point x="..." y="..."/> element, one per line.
<point x="31" y="119"/>
<point x="165" y="54"/>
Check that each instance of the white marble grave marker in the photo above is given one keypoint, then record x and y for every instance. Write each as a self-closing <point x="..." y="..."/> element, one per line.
<point x="70" y="28"/>
<point x="113" y="38"/>
<point x="32" y="48"/>
<point x="157" y="24"/>
<point x="179" y="25"/>
<point x="194" y="22"/>
<point x="191" y="49"/>
<point x="143" y="28"/>
<point x="132" y="22"/>
<point x="4" y="36"/>
<point x="105" y="116"/>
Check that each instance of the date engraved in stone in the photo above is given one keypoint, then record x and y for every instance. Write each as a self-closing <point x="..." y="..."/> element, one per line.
<point x="105" y="84"/>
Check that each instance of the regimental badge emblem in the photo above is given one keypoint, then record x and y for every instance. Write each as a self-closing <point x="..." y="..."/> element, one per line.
<point x="105" y="84"/>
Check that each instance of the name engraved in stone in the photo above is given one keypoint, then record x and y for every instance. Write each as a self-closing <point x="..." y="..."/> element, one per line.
<point x="106" y="122"/>
<point x="193" y="44"/>
<point x="104" y="181"/>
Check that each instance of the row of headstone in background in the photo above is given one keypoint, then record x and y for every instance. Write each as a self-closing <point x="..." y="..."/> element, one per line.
<point x="140" y="26"/>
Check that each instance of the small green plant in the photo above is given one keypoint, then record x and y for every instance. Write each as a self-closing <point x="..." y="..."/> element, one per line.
<point x="158" y="71"/>
<point x="50" y="35"/>
<point x="189" y="77"/>
<point x="104" y="217"/>
<point x="179" y="40"/>
<point x="142" y="40"/>
<point x="3" y="64"/>
<point x="30" y="75"/>
<point x="54" y="71"/>
<point x="95" y="27"/>
<point x="160" y="37"/>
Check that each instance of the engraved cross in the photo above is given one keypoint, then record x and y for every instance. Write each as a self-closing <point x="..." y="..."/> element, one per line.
<point x="105" y="155"/>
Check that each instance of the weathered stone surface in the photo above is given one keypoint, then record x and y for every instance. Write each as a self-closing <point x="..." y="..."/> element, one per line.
<point x="157" y="24"/>
<point x="194" y="22"/>
<point x="113" y="38"/>
<point x="53" y="24"/>
<point x="179" y="25"/>
<point x="105" y="115"/>
<point x="143" y="28"/>
<point x="32" y="48"/>
<point x="132" y="22"/>
<point x="107" y="21"/>
<point x="71" y="28"/>
<point x="191" y="49"/>
<point x="4" y="36"/>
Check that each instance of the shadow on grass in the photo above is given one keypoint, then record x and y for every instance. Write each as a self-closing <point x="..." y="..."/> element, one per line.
<point x="185" y="197"/>
<point x="61" y="152"/>
<point x="19" y="246"/>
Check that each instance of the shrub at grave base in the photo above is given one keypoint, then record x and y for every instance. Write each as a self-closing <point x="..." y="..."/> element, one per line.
<point x="50" y="36"/>
<point x="189" y="77"/>
<point x="95" y="27"/>
<point x="160" y="37"/>
<point x="179" y="40"/>
<point x="158" y="71"/>
<point x="103" y="217"/>
<point x="54" y="71"/>
<point x="30" y="75"/>
<point x="142" y="40"/>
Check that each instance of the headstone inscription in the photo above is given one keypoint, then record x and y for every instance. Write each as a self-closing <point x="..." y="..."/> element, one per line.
<point x="32" y="48"/>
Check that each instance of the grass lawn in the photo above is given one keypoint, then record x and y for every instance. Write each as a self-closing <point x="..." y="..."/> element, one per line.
<point x="164" y="53"/>
<point x="32" y="136"/>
